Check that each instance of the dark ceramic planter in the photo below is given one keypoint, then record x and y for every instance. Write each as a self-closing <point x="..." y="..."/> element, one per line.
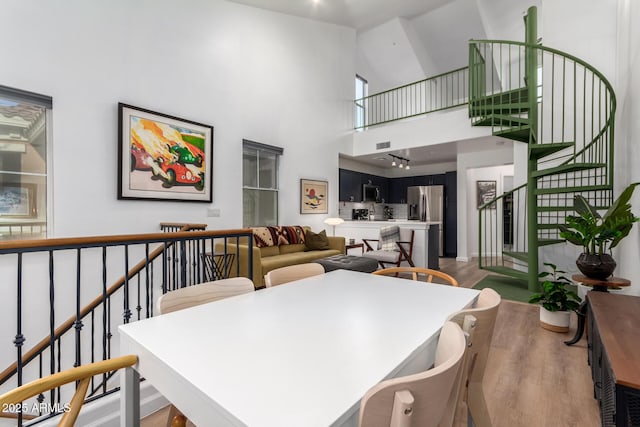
<point x="596" y="266"/>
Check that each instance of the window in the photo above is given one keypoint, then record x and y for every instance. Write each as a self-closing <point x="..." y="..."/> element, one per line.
<point x="259" y="184"/>
<point x="361" y="110"/>
<point x="23" y="163"/>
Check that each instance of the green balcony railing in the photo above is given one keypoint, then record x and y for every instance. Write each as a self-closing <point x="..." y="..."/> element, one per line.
<point x="435" y="93"/>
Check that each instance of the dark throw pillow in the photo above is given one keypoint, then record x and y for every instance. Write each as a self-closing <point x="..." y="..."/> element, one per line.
<point x="316" y="241"/>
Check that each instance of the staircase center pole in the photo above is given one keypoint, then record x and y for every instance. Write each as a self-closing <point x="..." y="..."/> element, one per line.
<point x="531" y="75"/>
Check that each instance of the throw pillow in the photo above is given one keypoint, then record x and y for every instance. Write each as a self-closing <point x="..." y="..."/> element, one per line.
<point x="316" y="241"/>
<point x="263" y="237"/>
<point x="388" y="238"/>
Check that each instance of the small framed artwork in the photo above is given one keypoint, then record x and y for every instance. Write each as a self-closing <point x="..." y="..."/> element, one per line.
<point x="18" y="200"/>
<point x="313" y="196"/>
<point x="162" y="157"/>
<point x="485" y="192"/>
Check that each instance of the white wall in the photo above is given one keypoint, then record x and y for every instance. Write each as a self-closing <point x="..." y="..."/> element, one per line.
<point x="627" y="152"/>
<point x="434" y="128"/>
<point x="250" y="73"/>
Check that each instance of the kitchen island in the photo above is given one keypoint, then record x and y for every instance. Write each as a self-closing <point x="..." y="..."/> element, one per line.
<point x="425" y="239"/>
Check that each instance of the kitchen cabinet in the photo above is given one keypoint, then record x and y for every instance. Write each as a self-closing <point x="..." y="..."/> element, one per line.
<point x="450" y="214"/>
<point x="350" y="186"/>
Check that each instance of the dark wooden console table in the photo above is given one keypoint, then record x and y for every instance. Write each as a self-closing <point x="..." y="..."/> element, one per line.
<point x="614" y="355"/>
<point x="597" y="285"/>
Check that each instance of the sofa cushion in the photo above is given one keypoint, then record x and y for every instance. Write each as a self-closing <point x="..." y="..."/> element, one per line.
<point x="287" y="249"/>
<point x="388" y="238"/>
<point x="283" y="260"/>
<point x="268" y="251"/>
<point x="317" y="241"/>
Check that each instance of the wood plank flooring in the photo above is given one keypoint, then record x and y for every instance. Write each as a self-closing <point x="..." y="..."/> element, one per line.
<point x="532" y="378"/>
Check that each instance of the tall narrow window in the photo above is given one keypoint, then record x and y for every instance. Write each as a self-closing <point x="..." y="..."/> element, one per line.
<point x="360" y="103"/>
<point x="259" y="184"/>
<point x="23" y="164"/>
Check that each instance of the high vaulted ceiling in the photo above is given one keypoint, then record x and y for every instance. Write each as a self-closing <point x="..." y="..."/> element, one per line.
<point x="358" y="14"/>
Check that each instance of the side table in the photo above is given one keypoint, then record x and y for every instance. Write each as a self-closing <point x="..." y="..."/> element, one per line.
<point x="354" y="246"/>
<point x="597" y="285"/>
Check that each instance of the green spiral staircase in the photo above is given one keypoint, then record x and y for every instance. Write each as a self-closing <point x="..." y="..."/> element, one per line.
<point x="563" y="109"/>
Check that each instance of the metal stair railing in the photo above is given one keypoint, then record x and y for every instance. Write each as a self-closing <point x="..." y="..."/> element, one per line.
<point x="502" y="230"/>
<point x="440" y="92"/>
<point x="62" y="273"/>
<point x="572" y="139"/>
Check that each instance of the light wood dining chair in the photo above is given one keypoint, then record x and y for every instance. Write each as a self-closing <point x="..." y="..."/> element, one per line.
<point x="417" y="273"/>
<point x="192" y="296"/>
<point x="419" y="399"/>
<point x="82" y="374"/>
<point x="202" y="293"/>
<point x="478" y="323"/>
<point x="290" y="273"/>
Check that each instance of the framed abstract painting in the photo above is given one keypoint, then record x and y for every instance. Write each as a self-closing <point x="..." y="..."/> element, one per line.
<point x="313" y="196"/>
<point x="162" y="157"/>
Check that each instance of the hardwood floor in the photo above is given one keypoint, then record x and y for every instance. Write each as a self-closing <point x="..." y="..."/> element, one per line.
<point x="532" y="378"/>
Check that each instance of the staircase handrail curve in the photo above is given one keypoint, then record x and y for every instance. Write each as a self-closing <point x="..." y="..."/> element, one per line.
<point x="411" y="84"/>
<point x="609" y="123"/>
<point x="566" y="55"/>
<point x="503" y="195"/>
<point x="96" y="241"/>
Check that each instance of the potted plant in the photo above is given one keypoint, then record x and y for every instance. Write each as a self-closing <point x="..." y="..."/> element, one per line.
<point x="556" y="300"/>
<point x="599" y="234"/>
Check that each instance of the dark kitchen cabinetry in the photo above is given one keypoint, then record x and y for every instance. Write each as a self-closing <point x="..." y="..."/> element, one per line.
<point x="450" y="214"/>
<point x="383" y="183"/>
<point x="394" y="190"/>
<point x="350" y="187"/>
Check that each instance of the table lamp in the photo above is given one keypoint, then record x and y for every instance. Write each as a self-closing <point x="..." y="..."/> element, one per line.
<point x="334" y="222"/>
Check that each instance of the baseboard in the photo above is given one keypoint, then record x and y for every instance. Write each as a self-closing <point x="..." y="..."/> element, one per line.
<point x="105" y="412"/>
<point x="462" y="259"/>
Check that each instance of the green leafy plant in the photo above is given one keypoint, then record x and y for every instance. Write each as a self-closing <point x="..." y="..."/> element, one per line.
<point x="554" y="295"/>
<point x="595" y="233"/>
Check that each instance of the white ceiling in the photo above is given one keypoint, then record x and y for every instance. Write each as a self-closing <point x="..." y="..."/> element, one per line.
<point x="358" y="14"/>
<point x="434" y="154"/>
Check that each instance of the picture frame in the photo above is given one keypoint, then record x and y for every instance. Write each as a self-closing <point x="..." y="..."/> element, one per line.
<point x="163" y="157"/>
<point x="485" y="192"/>
<point x="18" y="200"/>
<point x="313" y="196"/>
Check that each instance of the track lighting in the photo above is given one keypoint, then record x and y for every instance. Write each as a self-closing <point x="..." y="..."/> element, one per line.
<point x="401" y="160"/>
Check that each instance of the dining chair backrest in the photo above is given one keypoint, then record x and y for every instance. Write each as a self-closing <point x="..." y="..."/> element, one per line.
<point x="417" y="273"/>
<point x="203" y="293"/>
<point x="290" y="273"/>
<point x="191" y="296"/>
<point x="419" y="399"/>
<point x="81" y="375"/>
<point x="478" y="322"/>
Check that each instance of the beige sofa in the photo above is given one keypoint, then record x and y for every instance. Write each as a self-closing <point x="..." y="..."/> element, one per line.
<point x="279" y="255"/>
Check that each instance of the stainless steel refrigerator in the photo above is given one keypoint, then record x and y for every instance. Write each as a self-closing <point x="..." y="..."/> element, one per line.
<point x="425" y="203"/>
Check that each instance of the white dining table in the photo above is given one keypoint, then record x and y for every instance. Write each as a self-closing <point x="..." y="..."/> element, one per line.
<point x="299" y="354"/>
